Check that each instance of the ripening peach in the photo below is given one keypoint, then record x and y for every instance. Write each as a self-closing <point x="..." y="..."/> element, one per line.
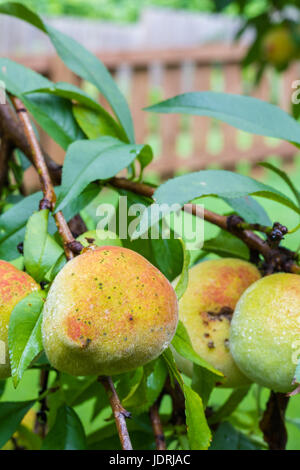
<point x="108" y="311"/>
<point x="278" y="46"/>
<point x="265" y="331"/>
<point x="206" y="309"/>
<point x="14" y="286"/>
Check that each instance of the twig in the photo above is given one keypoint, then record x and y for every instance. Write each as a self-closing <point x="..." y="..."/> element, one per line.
<point x="41" y="416"/>
<point x="5" y="150"/>
<point x="120" y="414"/>
<point x="273" y="421"/>
<point x="157" y="428"/>
<point x="178" y="402"/>
<point x="10" y="129"/>
<point x="280" y="258"/>
<point x="38" y="159"/>
<point x="49" y="199"/>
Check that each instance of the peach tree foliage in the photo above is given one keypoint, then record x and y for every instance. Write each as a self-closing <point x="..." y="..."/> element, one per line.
<point x="98" y="146"/>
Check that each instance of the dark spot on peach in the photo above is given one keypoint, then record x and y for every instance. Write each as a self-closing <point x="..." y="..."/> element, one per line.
<point x="211" y="345"/>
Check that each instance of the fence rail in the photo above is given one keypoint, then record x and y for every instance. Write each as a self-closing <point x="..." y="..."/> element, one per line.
<point x="206" y="65"/>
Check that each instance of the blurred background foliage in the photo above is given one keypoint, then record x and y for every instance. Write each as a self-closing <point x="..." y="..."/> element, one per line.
<point x="129" y="10"/>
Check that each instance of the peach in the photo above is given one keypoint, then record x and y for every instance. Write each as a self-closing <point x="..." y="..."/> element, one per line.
<point x="265" y="331"/>
<point x="206" y="309"/>
<point x="108" y="311"/>
<point x="278" y="46"/>
<point x="14" y="286"/>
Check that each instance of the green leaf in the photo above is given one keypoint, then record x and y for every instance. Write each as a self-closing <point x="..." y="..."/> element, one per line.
<point x="12" y="225"/>
<point x="226" y="245"/>
<point x="103" y="159"/>
<point x="75" y="389"/>
<point x="97" y="123"/>
<point x="244" y="112"/>
<point x="182" y="283"/>
<point x="69" y="91"/>
<point x="18" y="263"/>
<point x="183" y="346"/>
<point x="233" y="401"/>
<point x="149" y="386"/>
<point x="2" y="387"/>
<point x="80" y="61"/>
<point x="13" y="221"/>
<point x="40" y="249"/>
<point x="140" y="431"/>
<point x="11" y="414"/>
<point x="67" y="432"/>
<point x="20" y="79"/>
<point x="54" y="270"/>
<point x="249" y="209"/>
<point x="24" y="333"/>
<point x="225" y="184"/>
<point x="54" y="114"/>
<point x="284" y="177"/>
<point x="174" y="373"/>
<point x="203" y="383"/>
<point x="228" y="438"/>
<point x="164" y="253"/>
<point x="199" y="434"/>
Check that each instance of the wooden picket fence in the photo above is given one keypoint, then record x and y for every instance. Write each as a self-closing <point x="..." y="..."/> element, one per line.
<point x="205" y="63"/>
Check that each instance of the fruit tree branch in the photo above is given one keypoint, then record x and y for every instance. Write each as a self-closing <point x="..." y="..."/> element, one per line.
<point x="273" y="421"/>
<point x="10" y="129"/>
<point x="282" y="258"/>
<point x="49" y="199"/>
<point x="5" y="151"/>
<point x="120" y="414"/>
<point x="71" y="246"/>
<point x="157" y="428"/>
<point x="41" y="416"/>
